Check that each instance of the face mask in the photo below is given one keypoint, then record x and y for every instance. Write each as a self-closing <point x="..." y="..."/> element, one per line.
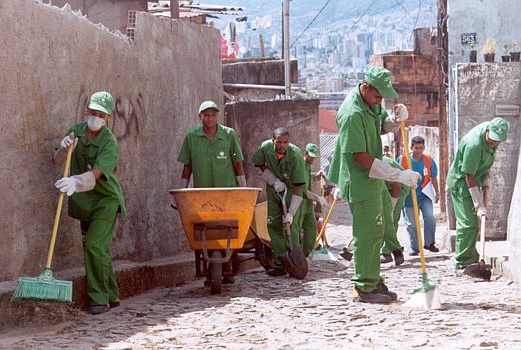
<point x="95" y="123"/>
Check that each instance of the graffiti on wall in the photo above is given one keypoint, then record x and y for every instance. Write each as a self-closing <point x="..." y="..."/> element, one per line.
<point x="127" y="115"/>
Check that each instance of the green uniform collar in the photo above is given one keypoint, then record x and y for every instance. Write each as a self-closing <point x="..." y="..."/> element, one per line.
<point x="218" y="134"/>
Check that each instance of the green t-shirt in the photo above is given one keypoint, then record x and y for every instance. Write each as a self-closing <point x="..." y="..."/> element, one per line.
<point x="102" y="152"/>
<point x="290" y="169"/>
<point x="212" y="161"/>
<point x="474" y="157"/>
<point x="359" y="129"/>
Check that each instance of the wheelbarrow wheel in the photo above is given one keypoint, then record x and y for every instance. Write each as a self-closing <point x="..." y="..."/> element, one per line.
<point x="263" y="254"/>
<point x="216" y="273"/>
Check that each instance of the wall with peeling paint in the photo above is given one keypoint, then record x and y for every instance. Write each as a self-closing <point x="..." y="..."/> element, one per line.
<point x="52" y="60"/>
<point x="484" y="91"/>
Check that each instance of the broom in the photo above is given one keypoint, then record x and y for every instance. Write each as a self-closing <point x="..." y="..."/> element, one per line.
<point x="427" y="296"/>
<point x="324" y="252"/>
<point x="45" y="287"/>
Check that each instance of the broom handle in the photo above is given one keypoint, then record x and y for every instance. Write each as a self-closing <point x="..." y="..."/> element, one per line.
<point x="59" y="209"/>
<point x="414" y="200"/>
<point x="482" y="237"/>
<point x="323" y="229"/>
<point x="322" y="184"/>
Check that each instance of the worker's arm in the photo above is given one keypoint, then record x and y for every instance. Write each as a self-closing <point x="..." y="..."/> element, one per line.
<point x="185" y="176"/>
<point x="476" y="195"/>
<point x="78" y="183"/>
<point x="381" y="170"/>
<point x="296" y="199"/>
<point x="239" y="173"/>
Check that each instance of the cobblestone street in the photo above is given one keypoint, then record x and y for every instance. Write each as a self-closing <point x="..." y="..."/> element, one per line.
<point x="262" y="312"/>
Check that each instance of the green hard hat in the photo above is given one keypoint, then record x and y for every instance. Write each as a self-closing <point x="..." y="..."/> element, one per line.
<point x="101" y="101"/>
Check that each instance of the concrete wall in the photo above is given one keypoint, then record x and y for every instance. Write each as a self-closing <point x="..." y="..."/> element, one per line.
<point x="256" y="120"/>
<point x="484" y="91"/>
<point x="258" y="71"/>
<point x="514" y="229"/>
<point x="497" y="20"/>
<point x="52" y="61"/>
<point x="111" y="13"/>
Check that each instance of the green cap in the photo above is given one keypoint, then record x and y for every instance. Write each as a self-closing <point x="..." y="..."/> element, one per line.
<point x="497" y="129"/>
<point x="380" y="79"/>
<point x="101" y="101"/>
<point x="312" y="150"/>
<point x="208" y="104"/>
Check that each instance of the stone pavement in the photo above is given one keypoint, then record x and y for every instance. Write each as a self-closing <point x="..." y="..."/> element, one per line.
<point x="262" y="312"/>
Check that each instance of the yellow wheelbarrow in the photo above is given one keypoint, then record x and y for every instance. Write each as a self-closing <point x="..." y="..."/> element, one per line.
<point x="258" y="239"/>
<point x="215" y="220"/>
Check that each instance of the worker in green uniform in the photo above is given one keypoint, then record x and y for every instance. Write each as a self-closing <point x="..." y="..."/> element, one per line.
<point x="308" y="219"/>
<point x="212" y="153"/>
<point x="467" y="181"/>
<point x="95" y="197"/>
<point x="283" y="169"/>
<point x="393" y="197"/>
<point x="358" y="171"/>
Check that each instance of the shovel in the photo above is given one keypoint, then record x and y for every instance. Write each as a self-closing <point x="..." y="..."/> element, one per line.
<point x="293" y="260"/>
<point x="480" y="269"/>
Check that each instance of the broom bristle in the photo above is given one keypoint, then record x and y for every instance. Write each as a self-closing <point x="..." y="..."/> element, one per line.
<point x="425" y="297"/>
<point x="323" y="254"/>
<point x="429" y="300"/>
<point x="43" y="287"/>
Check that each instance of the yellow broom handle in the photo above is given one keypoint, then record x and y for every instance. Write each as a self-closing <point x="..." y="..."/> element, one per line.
<point x="325" y="223"/>
<point x="59" y="209"/>
<point x="414" y="199"/>
<point x="322" y="184"/>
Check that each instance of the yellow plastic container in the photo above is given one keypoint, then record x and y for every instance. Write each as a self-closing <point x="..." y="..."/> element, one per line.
<point x="200" y="205"/>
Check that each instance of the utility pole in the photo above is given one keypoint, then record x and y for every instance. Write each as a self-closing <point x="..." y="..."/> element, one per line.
<point x="174" y="9"/>
<point x="261" y="43"/>
<point x="287" y="78"/>
<point x="442" y="60"/>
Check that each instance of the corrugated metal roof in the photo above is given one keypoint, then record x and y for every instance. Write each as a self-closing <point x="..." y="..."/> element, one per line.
<point x="327" y="146"/>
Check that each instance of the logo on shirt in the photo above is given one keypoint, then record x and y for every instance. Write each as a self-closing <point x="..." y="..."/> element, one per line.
<point x="221" y="155"/>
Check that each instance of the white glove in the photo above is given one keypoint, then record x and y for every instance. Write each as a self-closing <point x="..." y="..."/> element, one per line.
<point x="321" y="172"/>
<point x="69" y="140"/>
<point x="482" y="211"/>
<point x="477" y="197"/>
<point x="393" y="202"/>
<point x="398" y="114"/>
<point x="336" y="194"/>
<point x="272" y="180"/>
<point x="382" y="170"/>
<point x="315" y="197"/>
<point x="77" y="183"/>
<point x="293" y="207"/>
<point x="241" y="180"/>
<point x="288" y="219"/>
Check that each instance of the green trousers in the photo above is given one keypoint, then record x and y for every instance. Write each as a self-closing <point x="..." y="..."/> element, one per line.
<point x="391" y="219"/>
<point x="368" y="234"/>
<point x="277" y="229"/>
<point x="99" y="274"/>
<point x="309" y="226"/>
<point x="466" y="231"/>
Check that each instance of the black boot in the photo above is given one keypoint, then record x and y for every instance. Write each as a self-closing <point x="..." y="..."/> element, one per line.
<point x="398" y="257"/>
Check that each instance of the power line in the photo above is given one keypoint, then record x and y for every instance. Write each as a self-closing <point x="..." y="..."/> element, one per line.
<point x="416" y="22"/>
<point x="310" y="23"/>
